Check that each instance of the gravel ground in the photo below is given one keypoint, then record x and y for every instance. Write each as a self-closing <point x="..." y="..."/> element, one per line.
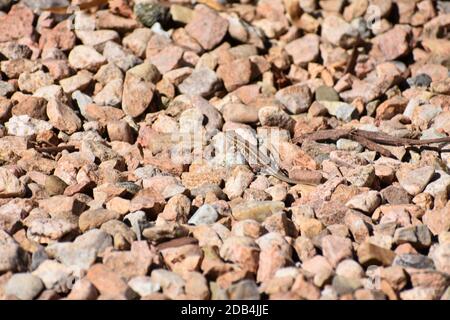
<point x="117" y="180"/>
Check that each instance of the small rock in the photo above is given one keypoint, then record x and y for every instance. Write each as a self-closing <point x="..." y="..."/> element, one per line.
<point x="6" y="88"/>
<point x="304" y="50"/>
<point x="150" y="13"/>
<point x="275" y="117"/>
<point x="14" y="51"/>
<point x="320" y="268"/>
<point x="337" y="31"/>
<point x="171" y="283"/>
<point x="239" y="112"/>
<point x="95" y="218"/>
<point x="296" y="98"/>
<point x="62" y="117"/>
<point x="235" y="74"/>
<point x="244" y="290"/>
<point x="366" y="202"/>
<point x="241" y="250"/>
<point x="61" y="37"/>
<point x="343" y="285"/>
<point x="441" y="257"/>
<point x="109" y="283"/>
<point x="44" y="230"/>
<point x="121" y="57"/>
<point x="415" y="181"/>
<point x="33" y="107"/>
<point x="135" y="262"/>
<point x="350" y="269"/>
<point x="416" y="261"/>
<point x="196" y="286"/>
<point x="181" y="13"/>
<point x="275" y="254"/>
<point x="80" y="81"/>
<point x="120" y="130"/>
<point x="137" y="41"/>
<point x="371" y="254"/>
<point x="349" y="145"/>
<point x="308" y="227"/>
<point x="143" y="286"/>
<point x="169" y="58"/>
<point x="10" y="185"/>
<point x="405" y="235"/>
<point x="202" y="82"/>
<point x="147" y="199"/>
<point x="239" y="180"/>
<point x="391" y="107"/>
<point x="363" y="176"/>
<point x="108" y="73"/>
<point x="336" y="248"/>
<point x="331" y="212"/>
<point x="137" y="95"/>
<point x="55" y="276"/>
<point x="183" y="258"/>
<point x="54" y="185"/>
<point x="107" y="20"/>
<point x="341" y="110"/>
<point x="357" y="225"/>
<point x="394" y="43"/>
<point x="98" y="38"/>
<point x="31" y="82"/>
<point x="395" y="195"/>
<point x="11" y="254"/>
<point x="111" y="94"/>
<point x="24" y="286"/>
<point x="418" y="293"/>
<point x="21" y="17"/>
<point x="13" y="68"/>
<point x="85" y="57"/>
<point x="256" y="210"/>
<point x="324" y="93"/>
<point x="421" y="80"/>
<point x="440" y="185"/>
<point x="438" y="220"/>
<point x="203" y="19"/>
<point x="83" y="290"/>
<point x="81" y="253"/>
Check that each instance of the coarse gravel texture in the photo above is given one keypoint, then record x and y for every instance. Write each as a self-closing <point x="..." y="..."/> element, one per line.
<point x="116" y="181"/>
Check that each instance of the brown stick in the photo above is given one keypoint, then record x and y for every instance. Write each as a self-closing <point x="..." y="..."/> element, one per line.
<point x="372" y="145"/>
<point x="350" y="68"/>
<point x="56" y="149"/>
<point x="369" y="139"/>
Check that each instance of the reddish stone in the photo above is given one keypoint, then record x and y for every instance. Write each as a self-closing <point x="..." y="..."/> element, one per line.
<point x="108" y="282"/>
<point x="18" y="23"/>
<point x="60" y="37"/>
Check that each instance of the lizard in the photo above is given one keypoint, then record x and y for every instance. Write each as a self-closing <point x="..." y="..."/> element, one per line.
<point x="251" y="153"/>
